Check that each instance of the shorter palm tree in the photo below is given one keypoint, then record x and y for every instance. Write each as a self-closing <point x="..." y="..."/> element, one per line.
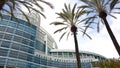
<point x="9" y="7"/>
<point x="71" y="20"/>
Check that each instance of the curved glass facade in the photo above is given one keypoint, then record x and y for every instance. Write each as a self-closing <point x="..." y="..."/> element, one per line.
<point x="70" y="54"/>
<point x="23" y="45"/>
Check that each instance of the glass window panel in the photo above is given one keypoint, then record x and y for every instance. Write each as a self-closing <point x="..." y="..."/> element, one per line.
<point x="37" y="60"/>
<point x="43" y="48"/>
<point x="28" y="30"/>
<point x="26" y="35"/>
<point x="29" y="65"/>
<point x="33" y="26"/>
<point x="2" y="28"/>
<point x="2" y="62"/>
<point x="12" y="24"/>
<point x="4" y="22"/>
<point x="33" y="32"/>
<point x="27" y="24"/>
<point x="32" y="37"/>
<point x="13" y="54"/>
<point x="8" y="36"/>
<point x="31" y="50"/>
<point x="31" y="43"/>
<point x="22" y="56"/>
<point x="6" y="17"/>
<point x="24" y="48"/>
<point x="10" y="67"/>
<point x="14" y="19"/>
<point x="65" y="54"/>
<point x="1" y="35"/>
<point x="10" y="30"/>
<point x="15" y="46"/>
<point x="20" y="26"/>
<point x="37" y="44"/>
<point x="60" y="54"/>
<point x="0" y="42"/>
<point x="22" y="64"/>
<point x="18" y="32"/>
<point x="70" y="54"/>
<point x="30" y="58"/>
<point x="21" y="21"/>
<point x="5" y="44"/>
<point x="25" y="41"/>
<point x="43" y="61"/>
<point x="17" y="39"/>
<point x="54" y="53"/>
<point x="3" y="52"/>
<point x="40" y="46"/>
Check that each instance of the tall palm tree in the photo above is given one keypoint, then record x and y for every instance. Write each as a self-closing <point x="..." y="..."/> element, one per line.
<point x="9" y="6"/>
<point x="71" y="19"/>
<point x="100" y="9"/>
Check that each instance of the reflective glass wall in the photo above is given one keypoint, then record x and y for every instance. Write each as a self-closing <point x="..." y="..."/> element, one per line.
<point x="18" y="47"/>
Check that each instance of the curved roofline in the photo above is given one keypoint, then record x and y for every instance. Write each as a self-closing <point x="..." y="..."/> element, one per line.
<point x="49" y="35"/>
<point x="70" y="50"/>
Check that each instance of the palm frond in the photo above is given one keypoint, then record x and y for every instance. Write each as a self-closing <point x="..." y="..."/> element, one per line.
<point x="117" y="8"/>
<point x="33" y="9"/>
<point x="13" y="4"/>
<point x="24" y="14"/>
<point x="98" y="26"/>
<point x="62" y="35"/>
<point x="59" y="30"/>
<point x="73" y="10"/>
<point x="26" y="5"/>
<point x="30" y="5"/>
<point x="85" y="1"/>
<point x="66" y="8"/>
<point x="6" y="11"/>
<point x="11" y="11"/>
<point x="23" y="2"/>
<point x="36" y="3"/>
<point x="113" y="16"/>
<point x="47" y="3"/>
<point x="68" y="35"/>
<point x="57" y="23"/>
<point x="106" y="3"/>
<point x="84" y="6"/>
<point x="63" y="16"/>
<point x="97" y="3"/>
<point x="116" y="12"/>
<point x="113" y="3"/>
<point x="102" y="2"/>
<point x="86" y="27"/>
<point x="84" y="33"/>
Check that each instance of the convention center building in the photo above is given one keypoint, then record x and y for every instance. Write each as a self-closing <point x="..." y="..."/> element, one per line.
<point x="27" y="45"/>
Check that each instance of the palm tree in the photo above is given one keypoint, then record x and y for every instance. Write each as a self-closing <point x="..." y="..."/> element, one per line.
<point x="9" y="6"/>
<point x="100" y="9"/>
<point x="71" y="19"/>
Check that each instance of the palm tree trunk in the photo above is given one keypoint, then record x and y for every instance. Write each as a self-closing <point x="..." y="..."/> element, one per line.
<point x="111" y="35"/>
<point x="77" y="51"/>
<point x="2" y="2"/>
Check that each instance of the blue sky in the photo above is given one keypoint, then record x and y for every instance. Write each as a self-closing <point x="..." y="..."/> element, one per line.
<point x="100" y="43"/>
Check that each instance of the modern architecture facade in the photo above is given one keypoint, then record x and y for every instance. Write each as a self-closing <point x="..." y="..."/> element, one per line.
<point x="26" y="45"/>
